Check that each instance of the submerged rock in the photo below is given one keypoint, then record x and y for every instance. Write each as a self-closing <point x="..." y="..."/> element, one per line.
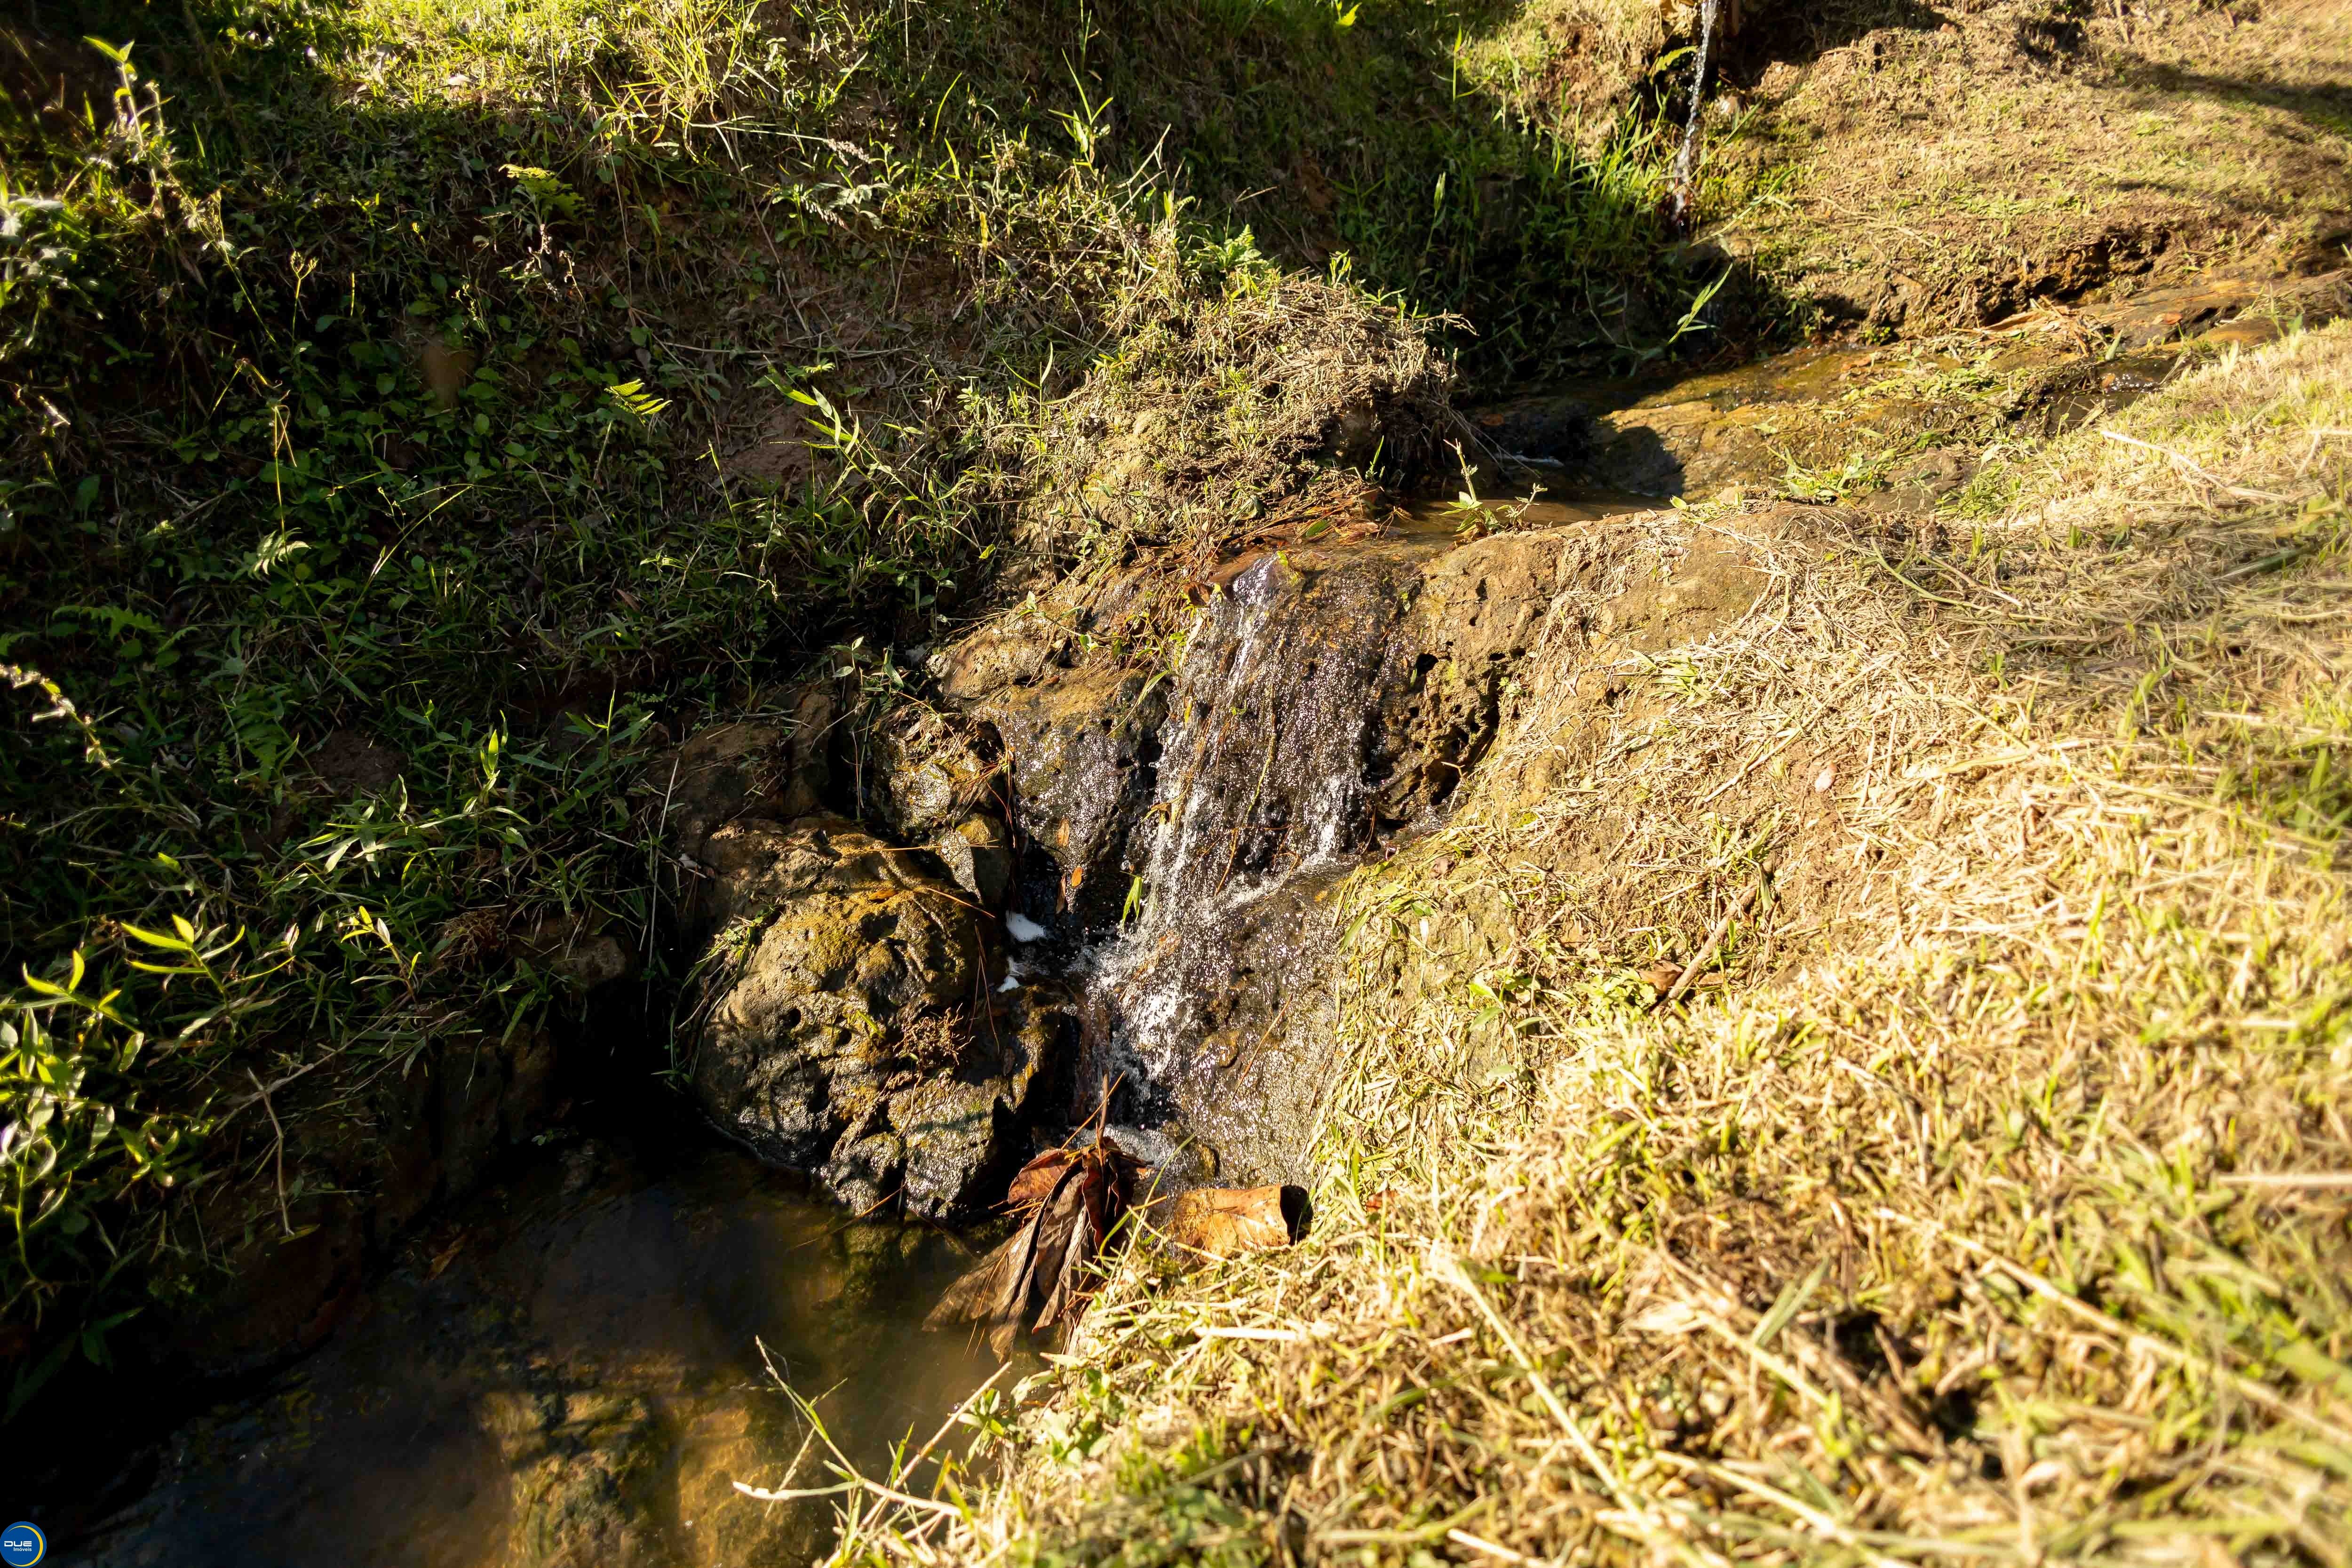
<point x="572" y="1368"/>
<point x="586" y="1469"/>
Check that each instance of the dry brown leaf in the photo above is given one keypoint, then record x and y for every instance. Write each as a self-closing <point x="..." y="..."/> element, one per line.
<point x="1225" y="1221"/>
<point x="1038" y="1279"/>
<point x="1036" y="1180"/>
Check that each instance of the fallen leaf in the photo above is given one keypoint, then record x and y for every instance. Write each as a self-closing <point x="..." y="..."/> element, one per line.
<point x="1039" y="1278"/>
<point x="1225" y="1221"/>
<point x="1035" y="1180"/>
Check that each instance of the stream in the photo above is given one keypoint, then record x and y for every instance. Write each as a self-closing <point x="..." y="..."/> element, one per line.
<point x="577" y="1366"/>
<point x="586" y="1359"/>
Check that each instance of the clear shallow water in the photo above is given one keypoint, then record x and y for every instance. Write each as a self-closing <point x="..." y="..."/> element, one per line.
<point x="571" y="1370"/>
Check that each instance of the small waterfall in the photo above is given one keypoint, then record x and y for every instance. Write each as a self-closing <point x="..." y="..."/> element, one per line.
<point x="1332" y="697"/>
<point x="1212" y="1010"/>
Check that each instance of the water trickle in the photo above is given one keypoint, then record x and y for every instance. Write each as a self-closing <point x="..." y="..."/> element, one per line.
<point x="1328" y="699"/>
<point x="577" y="1368"/>
<point x="1209" y="1010"/>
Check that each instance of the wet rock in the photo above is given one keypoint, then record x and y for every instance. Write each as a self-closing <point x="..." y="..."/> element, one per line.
<point x="851" y="945"/>
<point x="935" y="769"/>
<point x="978" y="853"/>
<point x="855" y="1032"/>
<point x="1329" y="698"/>
<point x="1010" y="650"/>
<point x="586" y="1466"/>
<point x="1083" y="751"/>
<point x="866" y="1169"/>
<point x="962" y="1135"/>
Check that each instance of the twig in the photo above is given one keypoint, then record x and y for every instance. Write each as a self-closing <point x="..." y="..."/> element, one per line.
<point x="1714" y="940"/>
<point x="2329" y="1180"/>
<point x="2223" y="484"/>
<point x="262" y="1093"/>
<point x="271" y="1088"/>
<point x="1823" y="1523"/>
<point x="1491" y="1548"/>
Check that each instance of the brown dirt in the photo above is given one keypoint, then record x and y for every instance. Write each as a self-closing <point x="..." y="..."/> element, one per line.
<point x="1915" y="169"/>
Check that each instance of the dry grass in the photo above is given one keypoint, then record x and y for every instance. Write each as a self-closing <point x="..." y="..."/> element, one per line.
<point x="1218" y="405"/>
<point x="1914" y="168"/>
<point x="1991" y="1205"/>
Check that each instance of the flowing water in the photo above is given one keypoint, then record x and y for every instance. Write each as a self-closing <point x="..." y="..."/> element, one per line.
<point x="577" y="1367"/>
<point x="1305" y="729"/>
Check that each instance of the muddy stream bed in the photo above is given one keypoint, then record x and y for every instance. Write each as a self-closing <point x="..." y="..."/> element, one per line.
<point x="575" y="1366"/>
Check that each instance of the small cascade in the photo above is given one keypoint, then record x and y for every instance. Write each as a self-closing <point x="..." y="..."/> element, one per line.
<point x="1184" y="838"/>
<point x="1211" y="1010"/>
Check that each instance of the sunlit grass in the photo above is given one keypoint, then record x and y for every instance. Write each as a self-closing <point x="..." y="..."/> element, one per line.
<point x="1990" y="1208"/>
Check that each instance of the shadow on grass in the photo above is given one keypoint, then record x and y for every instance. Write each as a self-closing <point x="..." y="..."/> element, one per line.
<point x="2327" y="110"/>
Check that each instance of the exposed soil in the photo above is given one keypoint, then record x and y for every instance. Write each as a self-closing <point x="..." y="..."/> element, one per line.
<point x="1913" y="168"/>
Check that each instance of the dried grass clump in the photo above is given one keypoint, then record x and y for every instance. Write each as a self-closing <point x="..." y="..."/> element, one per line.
<point x="1224" y="400"/>
<point x="1991" y="1207"/>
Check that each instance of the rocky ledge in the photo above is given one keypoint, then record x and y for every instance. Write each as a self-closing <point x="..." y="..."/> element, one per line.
<point x="1161" y="817"/>
<point x="854" y="1024"/>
